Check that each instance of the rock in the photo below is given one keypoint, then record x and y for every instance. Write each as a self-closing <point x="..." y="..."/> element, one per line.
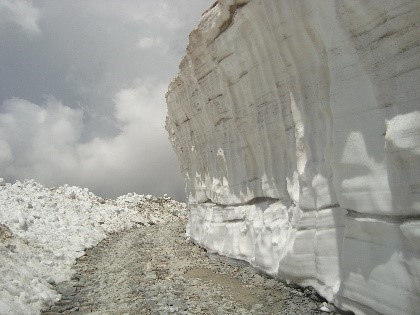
<point x="51" y="281"/>
<point x="11" y="247"/>
<point x="324" y="308"/>
<point x="296" y="124"/>
<point x="150" y="276"/>
<point x="5" y="233"/>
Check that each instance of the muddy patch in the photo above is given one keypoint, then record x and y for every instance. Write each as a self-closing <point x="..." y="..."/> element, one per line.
<point x="234" y="288"/>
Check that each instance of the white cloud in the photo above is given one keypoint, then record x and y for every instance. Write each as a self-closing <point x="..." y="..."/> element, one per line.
<point x="44" y="142"/>
<point x="40" y="139"/>
<point x="107" y="132"/>
<point x="141" y="151"/>
<point x="22" y="13"/>
<point x="149" y="42"/>
<point x="5" y="152"/>
<point x="156" y="13"/>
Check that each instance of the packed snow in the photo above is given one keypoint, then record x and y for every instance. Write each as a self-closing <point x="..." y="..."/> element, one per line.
<point x="44" y="230"/>
<point x="296" y="124"/>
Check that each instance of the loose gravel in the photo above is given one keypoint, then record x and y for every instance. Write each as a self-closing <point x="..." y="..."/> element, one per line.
<point x="156" y="270"/>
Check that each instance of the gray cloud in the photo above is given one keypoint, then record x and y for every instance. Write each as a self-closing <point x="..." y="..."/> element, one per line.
<point x="22" y="13"/>
<point x="104" y="69"/>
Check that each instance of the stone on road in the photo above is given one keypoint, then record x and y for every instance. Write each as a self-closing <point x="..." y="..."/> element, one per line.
<point x="156" y="270"/>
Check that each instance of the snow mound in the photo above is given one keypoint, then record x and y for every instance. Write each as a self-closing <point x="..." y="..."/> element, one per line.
<point x="43" y="231"/>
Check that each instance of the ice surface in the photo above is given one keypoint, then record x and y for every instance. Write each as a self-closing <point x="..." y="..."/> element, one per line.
<point x="43" y="231"/>
<point x="297" y="127"/>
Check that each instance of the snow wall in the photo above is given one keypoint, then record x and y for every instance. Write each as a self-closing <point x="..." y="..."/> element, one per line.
<point x="297" y="127"/>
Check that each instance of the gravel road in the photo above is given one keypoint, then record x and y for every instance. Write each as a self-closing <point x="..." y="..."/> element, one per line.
<point x="156" y="270"/>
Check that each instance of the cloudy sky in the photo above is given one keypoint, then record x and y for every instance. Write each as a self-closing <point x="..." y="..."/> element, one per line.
<point x="82" y="86"/>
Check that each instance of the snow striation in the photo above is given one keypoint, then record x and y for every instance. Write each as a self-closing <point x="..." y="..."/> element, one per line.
<point x="297" y="127"/>
<point x="44" y="230"/>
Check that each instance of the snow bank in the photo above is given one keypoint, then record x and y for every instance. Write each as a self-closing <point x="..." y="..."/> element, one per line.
<point x="43" y="231"/>
<point x="297" y="127"/>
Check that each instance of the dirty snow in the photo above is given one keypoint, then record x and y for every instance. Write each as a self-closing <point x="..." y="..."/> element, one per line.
<point x="43" y="231"/>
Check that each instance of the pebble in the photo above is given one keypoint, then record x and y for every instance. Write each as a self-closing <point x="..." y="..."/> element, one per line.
<point x="154" y="270"/>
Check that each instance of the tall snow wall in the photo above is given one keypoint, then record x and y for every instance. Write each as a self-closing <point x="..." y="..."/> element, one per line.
<point x="297" y="127"/>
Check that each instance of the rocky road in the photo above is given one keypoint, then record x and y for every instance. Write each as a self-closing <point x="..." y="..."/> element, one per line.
<point x="156" y="270"/>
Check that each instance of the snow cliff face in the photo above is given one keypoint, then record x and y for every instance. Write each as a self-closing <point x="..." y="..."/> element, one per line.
<point x="297" y="127"/>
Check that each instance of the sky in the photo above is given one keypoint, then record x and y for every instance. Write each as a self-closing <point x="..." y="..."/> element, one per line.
<point x="82" y="92"/>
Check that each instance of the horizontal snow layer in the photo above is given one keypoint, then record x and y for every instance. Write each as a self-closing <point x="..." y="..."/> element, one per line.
<point x="297" y="127"/>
